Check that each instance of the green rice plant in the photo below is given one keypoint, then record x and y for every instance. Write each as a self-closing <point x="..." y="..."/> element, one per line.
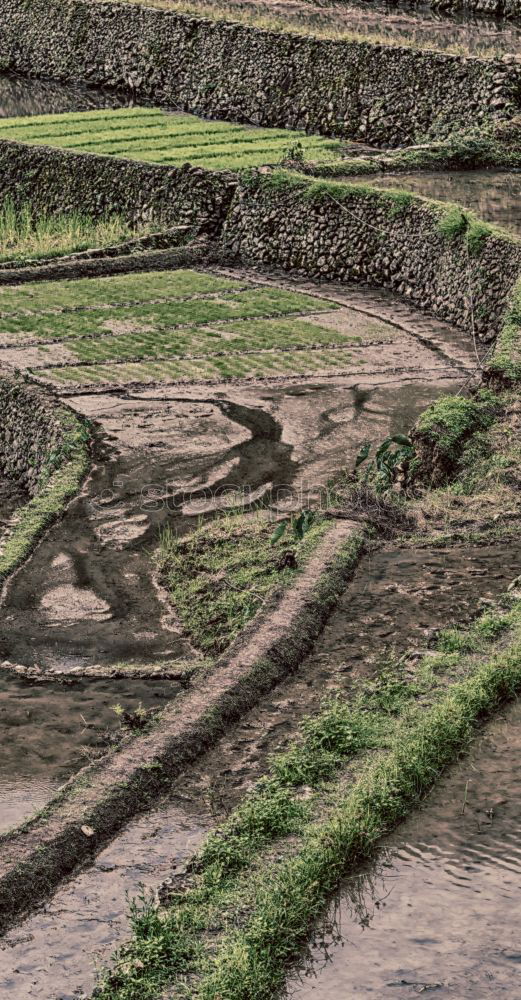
<point x="25" y="234"/>
<point x="298" y="362"/>
<point x="49" y="296"/>
<point x="154" y="136"/>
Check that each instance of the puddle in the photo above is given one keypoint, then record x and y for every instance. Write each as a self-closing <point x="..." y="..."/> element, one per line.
<point x="492" y="195"/>
<point x="439" y="911"/>
<point x="20" y="96"/>
<point x="49" y="730"/>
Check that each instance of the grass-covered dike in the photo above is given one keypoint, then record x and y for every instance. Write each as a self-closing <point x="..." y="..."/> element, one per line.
<point x="54" y="470"/>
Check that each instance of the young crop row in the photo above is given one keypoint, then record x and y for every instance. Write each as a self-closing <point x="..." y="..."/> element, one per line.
<point x="155" y="136"/>
<point x="298" y="362"/>
<point x="159" y="316"/>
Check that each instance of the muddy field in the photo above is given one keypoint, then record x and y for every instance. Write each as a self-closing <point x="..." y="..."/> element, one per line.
<point x="399" y="601"/>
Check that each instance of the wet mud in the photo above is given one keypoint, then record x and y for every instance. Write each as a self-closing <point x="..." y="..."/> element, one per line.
<point x="165" y="455"/>
<point x="439" y="911"/>
<point x="399" y="599"/>
<point x="169" y="454"/>
<point x="49" y="730"/>
<point x="56" y="954"/>
<point x="494" y="195"/>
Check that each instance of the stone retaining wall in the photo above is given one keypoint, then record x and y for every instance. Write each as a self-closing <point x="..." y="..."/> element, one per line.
<point x="356" y="89"/>
<point x="57" y="180"/>
<point x="30" y="432"/>
<point x="346" y="232"/>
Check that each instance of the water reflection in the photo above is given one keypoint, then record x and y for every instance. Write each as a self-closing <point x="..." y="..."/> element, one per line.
<point x="413" y="23"/>
<point x="440" y="910"/>
<point x="21" y="96"/>
<point x="495" y="196"/>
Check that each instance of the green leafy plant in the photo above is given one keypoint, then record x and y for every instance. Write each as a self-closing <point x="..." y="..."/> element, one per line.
<point x="299" y="523"/>
<point x="395" y="451"/>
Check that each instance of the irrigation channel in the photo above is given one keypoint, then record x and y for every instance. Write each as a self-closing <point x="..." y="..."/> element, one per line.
<point x="438" y="912"/>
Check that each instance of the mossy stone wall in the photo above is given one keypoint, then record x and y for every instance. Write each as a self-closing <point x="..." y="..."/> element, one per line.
<point x="392" y="239"/>
<point x="356" y="89"/>
<point x="55" y="180"/>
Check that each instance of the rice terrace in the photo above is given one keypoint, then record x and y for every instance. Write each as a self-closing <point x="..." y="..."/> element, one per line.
<point x="260" y="499"/>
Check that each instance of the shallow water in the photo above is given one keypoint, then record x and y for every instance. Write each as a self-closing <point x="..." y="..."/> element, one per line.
<point x="397" y="601"/>
<point x="49" y="730"/>
<point x="439" y="912"/>
<point x="495" y="196"/>
<point x="55" y="954"/>
<point x="398" y="598"/>
<point x="20" y="96"/>
<point x="415" y="24"/>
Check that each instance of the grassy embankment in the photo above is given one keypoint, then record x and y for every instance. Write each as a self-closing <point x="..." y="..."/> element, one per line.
<point x="220" y="574"/>
<point x="355" y="771"/>
<point x="60" y="478"/>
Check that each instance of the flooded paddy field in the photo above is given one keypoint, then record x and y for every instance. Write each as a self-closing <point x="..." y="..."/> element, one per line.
<point x="438" y="913"/>
<point x="493" y="195"/>
<point x="21" y="96"/>
<point x="48" y="730"/>
<point x="399" y="600"/>
<point x="226" y="407"/>
<point x="404" y="23"/>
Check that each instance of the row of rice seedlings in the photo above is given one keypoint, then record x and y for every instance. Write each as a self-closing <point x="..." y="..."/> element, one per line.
<point x="240" y="305"/>
<point x="193" y="136"/>
<point x="172" y="136"/>
<point x="233" y="161"/>
<point x="113" y="123"/>
<point x="228" y="367"/>
<point x="246" y="143"/>
<point x="47" y="296"/>
<point x="98" y="114"/>
<point x="265" y="336"/>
